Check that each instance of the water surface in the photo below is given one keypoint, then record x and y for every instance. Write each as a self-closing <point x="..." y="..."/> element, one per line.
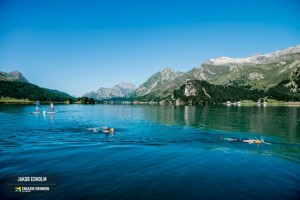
<point x="157" y="152"/>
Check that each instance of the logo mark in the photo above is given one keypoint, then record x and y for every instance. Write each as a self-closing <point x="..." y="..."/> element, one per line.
<point x="18" y="189"/>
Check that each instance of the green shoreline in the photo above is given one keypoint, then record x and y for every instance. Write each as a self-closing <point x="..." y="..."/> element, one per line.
<point x="243" y="103"/>
<point x="12" y="100"/>
<point x="25" y="101"/>
<point x="272" y="102"/>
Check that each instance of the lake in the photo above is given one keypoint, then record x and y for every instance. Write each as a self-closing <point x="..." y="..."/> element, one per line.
<point x="156" y="152"/>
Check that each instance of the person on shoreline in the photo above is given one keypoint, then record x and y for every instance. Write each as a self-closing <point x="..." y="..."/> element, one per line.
<point x="51" y="107"/>
<point x="37" y="106"/>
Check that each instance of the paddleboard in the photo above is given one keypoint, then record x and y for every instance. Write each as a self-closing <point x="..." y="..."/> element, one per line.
<point x="50" y="112"/>
<point x="34" y="113"/>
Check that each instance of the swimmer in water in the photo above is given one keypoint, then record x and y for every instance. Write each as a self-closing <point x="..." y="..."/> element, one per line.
<point x="108" y="130"/>
<point x="105" y="129"/>
<point x="253" y="141"/>
<point x="95" y="130"/>
<point x="249" y="141"/>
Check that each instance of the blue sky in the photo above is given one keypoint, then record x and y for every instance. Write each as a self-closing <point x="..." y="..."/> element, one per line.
<point x="79" y="46"/>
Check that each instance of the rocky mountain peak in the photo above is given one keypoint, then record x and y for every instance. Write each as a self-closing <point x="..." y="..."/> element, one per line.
<point x="127" y="85"/>
<point x="157" y="81"/>
<point x="167" y="69"/>
<point x="13" y="76"/>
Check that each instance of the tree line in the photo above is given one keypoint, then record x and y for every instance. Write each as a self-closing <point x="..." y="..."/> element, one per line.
<point x="223" y="93"/>
<point x="86" y="100"/>
<point x="207" y="93"/>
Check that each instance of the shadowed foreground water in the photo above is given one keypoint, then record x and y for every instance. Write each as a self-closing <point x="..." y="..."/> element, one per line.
<point x="157" y="152"/>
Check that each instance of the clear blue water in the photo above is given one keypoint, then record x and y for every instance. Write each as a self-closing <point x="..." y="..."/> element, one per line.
<point x="157" y="152"/>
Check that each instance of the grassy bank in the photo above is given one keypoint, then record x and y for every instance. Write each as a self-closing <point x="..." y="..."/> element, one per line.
<point x="9" y="100"/>
<point x="13" y="100"/>
<point x="276" y="102"/>
<point x="272" y="102"/>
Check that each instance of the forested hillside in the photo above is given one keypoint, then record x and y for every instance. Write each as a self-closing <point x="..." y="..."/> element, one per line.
<point x="24" y="90"/>
<point x="202" y="92"/>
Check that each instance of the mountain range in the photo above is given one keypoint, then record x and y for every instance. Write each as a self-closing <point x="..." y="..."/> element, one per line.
<point x="257" y="71"/>
<point x="121" y="90"/>
<point x="278" y="72"/>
